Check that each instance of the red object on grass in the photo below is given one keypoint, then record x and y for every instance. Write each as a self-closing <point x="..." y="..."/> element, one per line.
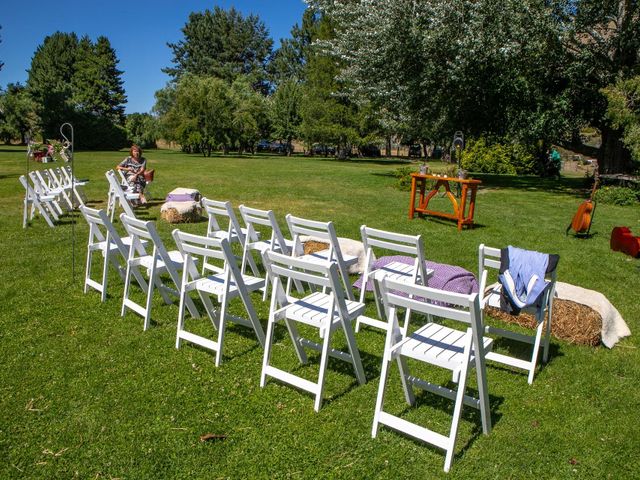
<point x="622" y="240"/>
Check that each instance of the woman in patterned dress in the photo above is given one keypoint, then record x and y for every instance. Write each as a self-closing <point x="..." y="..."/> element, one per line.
<point x="133" y="167"/>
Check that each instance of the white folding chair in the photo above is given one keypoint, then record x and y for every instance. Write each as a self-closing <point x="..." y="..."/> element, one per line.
<point x="159" y="262"/>
<point x="326" y="312"/>
<point x="380" y="240"/>
<point x="276" y="242"/>
<point x="76" y="185"/>
<point x="437" y="345"/>
<point x="57" y="181"/>
<point x="119" y="196"/>
<point x="226" y="283"/>
<point x="324" y="232"/>
<point x="490" y="258"/>
<point x="34" y="201"/>
<point x="104" y="238"/>
<point x="220" y="212"/>
<point x="43" y="188"/>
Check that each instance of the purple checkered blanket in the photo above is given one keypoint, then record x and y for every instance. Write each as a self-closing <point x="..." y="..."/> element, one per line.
<point x="445" y="277"/>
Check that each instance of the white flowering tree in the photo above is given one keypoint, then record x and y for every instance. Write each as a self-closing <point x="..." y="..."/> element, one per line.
<point x="437" y="66"/>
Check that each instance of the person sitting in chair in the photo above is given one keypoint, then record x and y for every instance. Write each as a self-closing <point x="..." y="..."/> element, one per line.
<point x="134" y="167"/>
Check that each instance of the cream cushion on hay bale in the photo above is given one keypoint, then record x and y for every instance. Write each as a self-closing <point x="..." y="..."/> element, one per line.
<point x="347" y="247"/>
<point x="180" y="212"/>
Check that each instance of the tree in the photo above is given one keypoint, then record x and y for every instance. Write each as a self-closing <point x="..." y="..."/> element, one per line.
<point x="225" y="45"/>
<point x="439" y="66"/>
<point x="285" y="111"/>
<point x="50" y="81"/>
<point x="290" y="59"/>
<point x="328" y="116"/>
<point x="142" y="129"/>
<point x="200" y="117"/>
<point x="1" y="63"/>
<point x="77" y="81"/>
<point x="623" y="110"/>
<point x="604" y="46"/>
<point x="97" y="83"/>
<point x="17" y="113"/>
<point x="250" y="119"/>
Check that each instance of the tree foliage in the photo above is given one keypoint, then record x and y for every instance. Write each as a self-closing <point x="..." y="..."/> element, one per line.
<point x="142" y="129"/>
<point x="623" y="111"/>
<point x="223" y="44"/>
<point x="17" y="113"/>
<point x="285" y="111"/>
<point x="77" y="81"/>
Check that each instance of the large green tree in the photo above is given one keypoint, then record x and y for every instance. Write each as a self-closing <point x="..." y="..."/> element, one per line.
<point x="623" y="110"/>
<point x="97" y="83"/>
<point x="285" y="111"/>
<point x="77" y="81"/>
<point x="142" y="129"/>
<point x="50" y="81"/>
<point x="434" y="67"/>
<point x="17" y="113"/>
<point x="223" y="44"/>
<point x="604" y="46"/>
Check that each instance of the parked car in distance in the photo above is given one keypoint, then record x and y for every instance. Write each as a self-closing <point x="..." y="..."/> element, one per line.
<point x="415" y="150"/>
<point x="319" y="149"/>
<point x="369" y="150"/>
<point x="263" y="146"/>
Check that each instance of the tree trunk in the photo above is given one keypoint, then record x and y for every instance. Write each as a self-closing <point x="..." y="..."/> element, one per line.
<point x="613" y="156"/>
<point x="387" y="147"/>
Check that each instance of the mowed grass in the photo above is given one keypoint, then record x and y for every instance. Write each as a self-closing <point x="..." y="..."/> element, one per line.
<point x="85" y="393"/>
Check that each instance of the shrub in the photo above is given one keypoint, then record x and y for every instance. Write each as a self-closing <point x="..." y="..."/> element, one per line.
<point x="617" y="195"/>
<point x="403" y="176"/>
<point x="497" y="158"/>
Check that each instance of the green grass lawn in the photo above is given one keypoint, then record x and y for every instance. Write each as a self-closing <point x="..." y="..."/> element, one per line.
<point x="86" y="393"/>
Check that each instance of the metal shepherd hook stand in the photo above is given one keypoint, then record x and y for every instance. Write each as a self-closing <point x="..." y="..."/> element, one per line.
<point x="73" y="199"/>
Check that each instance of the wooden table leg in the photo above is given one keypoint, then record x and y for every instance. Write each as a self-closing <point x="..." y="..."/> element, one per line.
<point x="413" y="198"/>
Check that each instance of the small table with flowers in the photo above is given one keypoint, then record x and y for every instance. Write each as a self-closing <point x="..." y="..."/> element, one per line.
<point x="469" y="189"/>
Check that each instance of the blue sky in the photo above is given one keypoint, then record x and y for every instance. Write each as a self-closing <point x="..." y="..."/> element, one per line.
<point x="137" y="29"/>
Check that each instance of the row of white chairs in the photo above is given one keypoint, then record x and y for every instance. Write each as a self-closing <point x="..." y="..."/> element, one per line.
<point x="51" y="192"/>
<point x="207" y="265"/>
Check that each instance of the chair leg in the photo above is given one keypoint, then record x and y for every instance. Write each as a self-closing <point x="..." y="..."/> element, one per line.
<point x="457" y="412"/>
<point x="535" y="353"/>
<point x="266" y="358"/>
<point x="221" y="331"/>
<point x="87" y="270"/>
<point x="105" y="273"/>
<point x="149" y="299"/>
<point x="384" y="375"/>
<point x="355" y="353"/>
<point x="180" y="327"/>
<point x="324" y="360"/>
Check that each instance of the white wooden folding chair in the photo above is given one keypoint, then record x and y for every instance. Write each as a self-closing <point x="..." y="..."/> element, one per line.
<point x="160" y="261"/>
<point x="56" y="180"/>
<point x="44" y="189"/>
<point x="77" y="186"/>
<point x="33" y="201"/>
<point x="119" y="196"/>
<point x="276" y="242"/>
<point x="377" y="241"/>
<point x="437" y="345"/>
<point x="226" y="283"/>
<point x="326" y="312"/>
<point x="490" y="258"/>
<point x="104" y="238"/>
<point x="219" y="213"/>
<point x="323" y="232"/>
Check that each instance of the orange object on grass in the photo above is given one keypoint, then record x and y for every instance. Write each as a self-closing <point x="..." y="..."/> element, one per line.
<point x="622" y="240"/>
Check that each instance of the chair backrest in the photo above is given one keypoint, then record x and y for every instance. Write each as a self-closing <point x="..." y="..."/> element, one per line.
<point x="323" y="231"/>
<point x="281" y="267"/>
<point x="192" y="246"/>
<point x="217" y="210"/>
<point x="115" y="188"/>
<point x="490" y="258"/>
<point x="266" y="218"/>
<point x="430" y="301"/>
<point x="102" y="230"/>
<point x="140" y="230"/>
<point x="396" y="242"/>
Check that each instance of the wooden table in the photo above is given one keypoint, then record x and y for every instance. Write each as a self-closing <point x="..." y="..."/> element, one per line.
<point x="469" y="189"/>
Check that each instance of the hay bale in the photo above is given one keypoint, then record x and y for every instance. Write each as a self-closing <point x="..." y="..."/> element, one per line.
<point x="181" y="212"/>
<point x="572" y="322"/>
<point x="313" y="246"/>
